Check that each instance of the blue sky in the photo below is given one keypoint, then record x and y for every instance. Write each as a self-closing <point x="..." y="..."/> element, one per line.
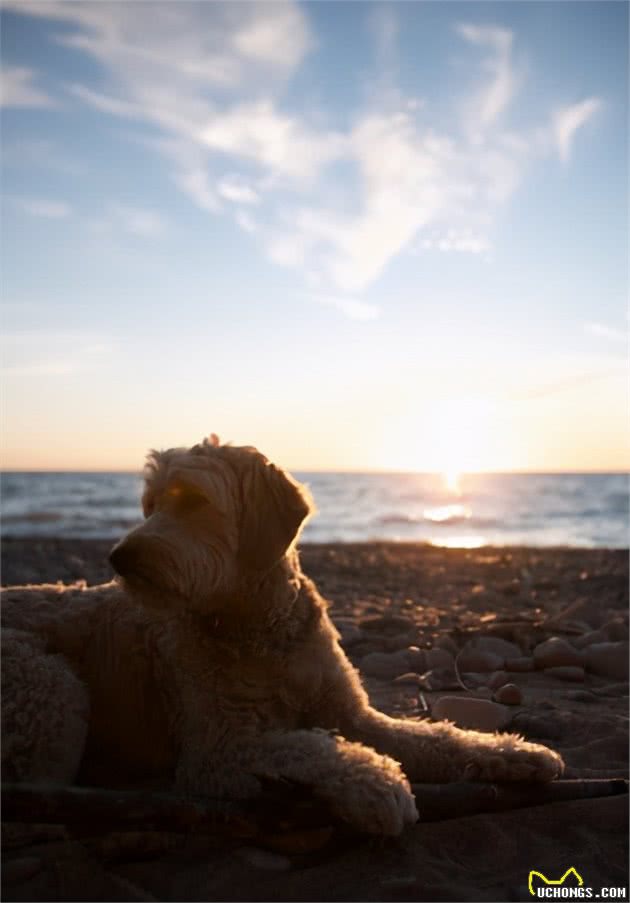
<point x="356" y="235"/>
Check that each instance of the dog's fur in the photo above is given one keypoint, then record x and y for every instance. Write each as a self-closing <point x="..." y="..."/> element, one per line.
<point x="211" y="662"/>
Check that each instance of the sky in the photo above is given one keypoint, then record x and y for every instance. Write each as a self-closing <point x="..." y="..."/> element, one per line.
<point x="359" y="236"/>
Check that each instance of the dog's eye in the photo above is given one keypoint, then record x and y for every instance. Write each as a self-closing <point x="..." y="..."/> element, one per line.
<point x="186" y="497"/>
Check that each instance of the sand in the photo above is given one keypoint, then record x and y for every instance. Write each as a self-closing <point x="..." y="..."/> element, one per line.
<point x="398" y="600"/>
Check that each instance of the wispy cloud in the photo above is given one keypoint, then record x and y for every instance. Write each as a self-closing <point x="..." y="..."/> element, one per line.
<point x="44" y="208"/>
<point x="138" y="220"/>
<point x="51" y="352"/>
<point x="233" y="188"/>
<point x="455" y="240"/>
<point x="211" y="78"/>
<point x="351" y="307"/>
<point x="568" y="120"/>
<point x="497" y="92"/>
<point x="17" y="88"/>
<point x="610" y="333"/>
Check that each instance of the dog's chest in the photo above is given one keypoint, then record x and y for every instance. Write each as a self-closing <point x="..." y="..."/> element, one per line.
<point x="263" y="689"/>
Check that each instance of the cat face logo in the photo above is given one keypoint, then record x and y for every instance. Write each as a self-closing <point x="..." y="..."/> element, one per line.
<point x="557" y="881"/>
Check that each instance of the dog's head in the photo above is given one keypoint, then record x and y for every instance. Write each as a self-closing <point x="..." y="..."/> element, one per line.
<point x="217" y="517"/>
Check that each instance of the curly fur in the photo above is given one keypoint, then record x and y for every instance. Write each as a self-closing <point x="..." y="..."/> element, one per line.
<point x="211" y="662"/>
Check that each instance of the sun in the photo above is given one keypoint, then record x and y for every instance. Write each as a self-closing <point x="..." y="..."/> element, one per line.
<point x="449" y="436"/>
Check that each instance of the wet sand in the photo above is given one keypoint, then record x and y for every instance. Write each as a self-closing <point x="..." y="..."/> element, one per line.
<point x="407" y="614"/>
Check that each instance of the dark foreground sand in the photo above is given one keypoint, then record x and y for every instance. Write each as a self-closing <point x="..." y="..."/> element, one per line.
<point x="387" y="598"/>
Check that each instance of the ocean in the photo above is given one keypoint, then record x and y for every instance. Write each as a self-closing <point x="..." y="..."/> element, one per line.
<point x="588" y="510"/>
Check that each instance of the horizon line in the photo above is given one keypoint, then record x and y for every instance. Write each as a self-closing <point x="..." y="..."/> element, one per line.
<point x="346" y="470"/>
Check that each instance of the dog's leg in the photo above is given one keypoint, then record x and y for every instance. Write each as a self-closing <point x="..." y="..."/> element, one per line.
<point x="427" y="751"/>
<point x="439" y="751"/>
<point x="45" y="712"/>
<point x="364" y="788"/>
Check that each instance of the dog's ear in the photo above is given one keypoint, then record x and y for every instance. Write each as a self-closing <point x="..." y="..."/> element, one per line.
<point x="274" y="508"/>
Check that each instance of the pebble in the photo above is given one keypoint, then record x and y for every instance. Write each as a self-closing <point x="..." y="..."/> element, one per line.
<point x="263" y="859"/>
<point x="448" y="643"/>
<point x="412" y="678"/>
<point x="385" y="665"/>
<point x="440" y="679"/>
<point x="476" y="714"/>
<point x="581" y="696"/>
<point x="439" y="658"/>
<point x="574" y="673"/>
<point x="350" y="633"/>
<point x="610" y="632"/>
<point x="417" y="659"/>
<point x="16" y="870"/>
<point x="509" y="694"/>
<point x="498" y="679"/>
<point x="496" y="645"/>
<point x="556" y="651"/>
<point x="608" y="660"/>
<point x="478" y="660"/>
<point x="388" y="622"/>
<point x="521" y="664"/>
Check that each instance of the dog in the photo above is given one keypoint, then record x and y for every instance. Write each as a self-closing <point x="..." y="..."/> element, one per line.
<point x="210" y="663"/>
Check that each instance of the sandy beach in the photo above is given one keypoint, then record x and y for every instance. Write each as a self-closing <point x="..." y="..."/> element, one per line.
<point x="405" y="613"/>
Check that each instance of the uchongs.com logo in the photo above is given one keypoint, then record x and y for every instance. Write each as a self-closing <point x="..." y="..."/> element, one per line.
<point x="570" y="886"/>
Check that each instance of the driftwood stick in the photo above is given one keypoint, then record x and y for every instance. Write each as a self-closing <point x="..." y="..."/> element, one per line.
<point x="96" y="811"/>
<point x="437" y="802"/>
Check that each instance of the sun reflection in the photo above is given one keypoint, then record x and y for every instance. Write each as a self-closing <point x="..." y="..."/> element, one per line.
<point x="452" y="480"/>
<point x="460" y="542"/>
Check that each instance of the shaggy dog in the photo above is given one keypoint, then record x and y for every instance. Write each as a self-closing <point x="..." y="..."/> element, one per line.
<point x="210" y="662"/>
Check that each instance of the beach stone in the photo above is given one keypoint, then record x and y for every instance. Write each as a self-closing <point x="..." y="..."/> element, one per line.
<point x="613" y="631"/>
<point x="411" y="677"/>
<point x="581" y="696"/>
<point x="439" y="658"/>
<point x="481" y="693"/>
<point x="496" y="645"/>
<point x="440" y="679"/>
<point x="448" y="643"/>
<point x="567" y="672"/>
<point x="417" y="659"/>
<point x="388" y="665"/>
<point x="521" y="664"/>
<point x="556" y="651"/>
<point x="387" y="623"/>
<point x="467" y="712"/>
<point x="350" y="633"/>
<point x="607" y="660"/>
<point x="498" y="679"/>
<point x="509" y="694"/>
<point x="477" y="660"/>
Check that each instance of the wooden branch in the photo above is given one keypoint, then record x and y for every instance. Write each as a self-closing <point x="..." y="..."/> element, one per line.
<point x="291" y="810"/>
<point x="437" y="802"/>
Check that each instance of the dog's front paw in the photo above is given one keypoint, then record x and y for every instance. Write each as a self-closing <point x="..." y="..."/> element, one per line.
<point x="509" y="758"/>
<point x="376" y="803"/>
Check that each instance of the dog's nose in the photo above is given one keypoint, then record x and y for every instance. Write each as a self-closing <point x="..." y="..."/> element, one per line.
<point x="123" y="558"/>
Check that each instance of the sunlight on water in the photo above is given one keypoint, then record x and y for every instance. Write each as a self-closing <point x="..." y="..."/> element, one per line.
<point x="452" y="480"/>
<point x="459" y="542"/>
<point x="445" y="514"/>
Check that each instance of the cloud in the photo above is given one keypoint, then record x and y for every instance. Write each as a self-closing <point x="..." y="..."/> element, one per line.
<point x="454" y="240"/>
<point x="139" y="220"/>
<point x="17" y="89"/>
<point x="610" y="333"/>
<point x="245" y="221"/>
<point x="340" y="203"/>
<point x="44" y="208"/>
<point x="235" y="189"/>
<point x="351" y="307"/>
<point x="568" y="120"/>
<point x="497" y="93"/>
<point x="51" y="353"/>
